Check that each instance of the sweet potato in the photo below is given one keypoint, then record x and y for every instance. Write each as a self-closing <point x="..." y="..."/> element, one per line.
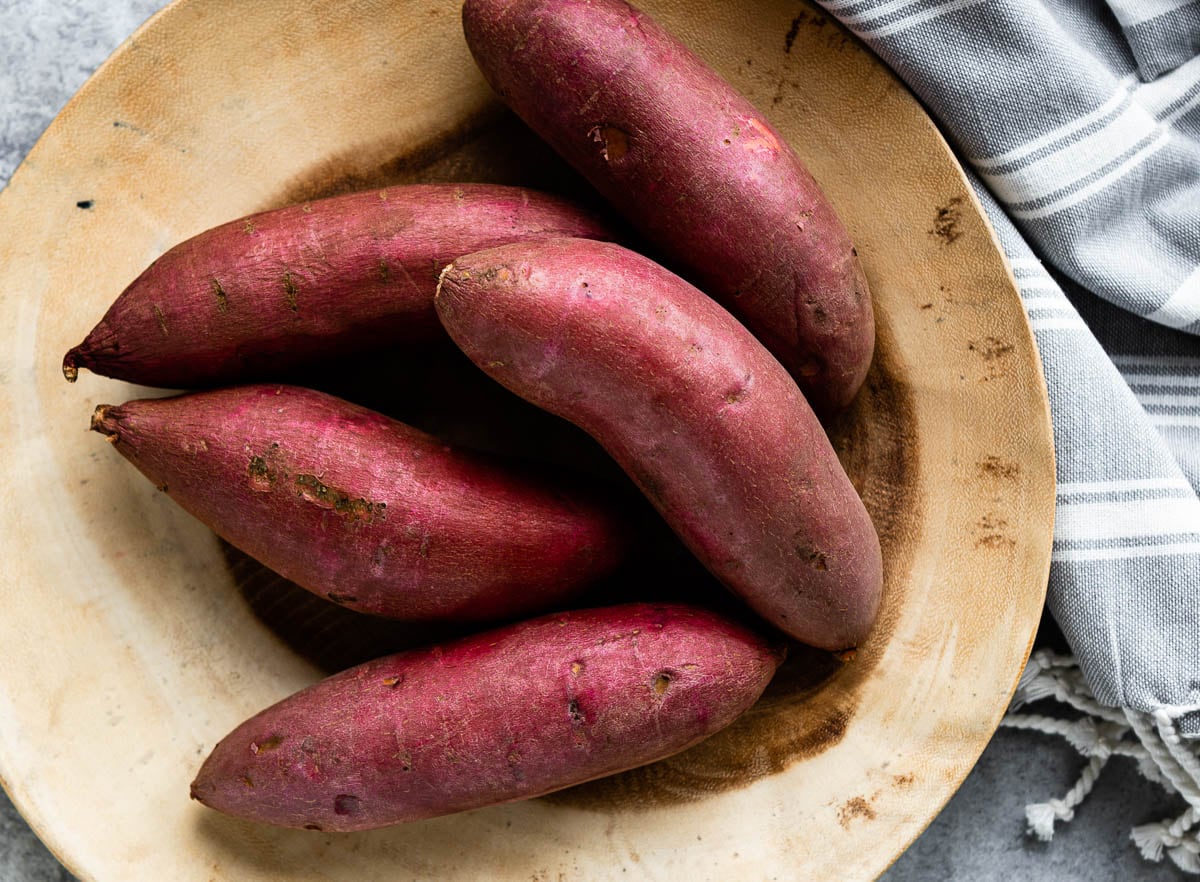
<point x="257" y="296"/>
<point x="492" y="718"/>
<point x="695" y="167"/>
<point x="693" y="408"/>
<point x="366" y="511"/>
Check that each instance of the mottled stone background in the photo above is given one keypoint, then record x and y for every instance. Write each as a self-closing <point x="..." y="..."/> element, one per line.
<point x="48" y="50"/>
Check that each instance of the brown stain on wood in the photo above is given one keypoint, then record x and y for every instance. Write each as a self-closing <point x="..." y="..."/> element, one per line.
<point x="995" y="355"/>
<point x="992" y="532"/>
<point x="990" y="348"/>
<point x="946" y="219"/>
<point x="997" y="467"/>
<point x="789" y="38"/>
<point x="854" y="809"/>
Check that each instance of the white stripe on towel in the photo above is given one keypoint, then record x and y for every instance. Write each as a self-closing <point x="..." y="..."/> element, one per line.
<point x="1063" y="131"/>
<point x="1069" y="487"/>
<point x="1183" y="306"/>
<point x="1127" y="519"/>
<point x="1076" y="160"/>
<point x="1081" y="554"/>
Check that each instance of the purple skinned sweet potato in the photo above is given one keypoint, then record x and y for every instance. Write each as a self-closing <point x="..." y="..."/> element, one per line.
<point x="492" y="718"/>
<point x="704" y="420"/>
<point x="695" y="167"/>
<point x="366" y="511"/>
<point x="273" y="291"/>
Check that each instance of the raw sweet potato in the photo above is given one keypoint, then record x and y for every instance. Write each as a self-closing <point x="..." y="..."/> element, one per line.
<point x="693" y="408"/>
<point x="492" y="718"/>
<point x="262" y="294"/>
<point x="695" y="167"/>
<point x="366" y="511"/>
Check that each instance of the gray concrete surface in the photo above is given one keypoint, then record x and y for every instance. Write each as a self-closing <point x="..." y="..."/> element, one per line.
<point x="50" y="48"/>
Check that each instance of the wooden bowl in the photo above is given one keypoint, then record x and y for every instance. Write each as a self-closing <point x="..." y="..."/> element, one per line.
<point x="129" y="648"/>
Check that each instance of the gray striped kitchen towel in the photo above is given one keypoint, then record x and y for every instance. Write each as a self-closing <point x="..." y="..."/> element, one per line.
<point x="1080" y="122"/>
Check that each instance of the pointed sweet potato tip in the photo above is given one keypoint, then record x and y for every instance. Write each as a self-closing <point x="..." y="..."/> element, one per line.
<point x="70" y="365"/>
<point x="104" y="424"/>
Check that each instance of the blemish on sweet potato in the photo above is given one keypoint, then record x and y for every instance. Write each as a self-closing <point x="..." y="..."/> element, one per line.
<point x="346" y="804"/>
<point x="311" y="488"/>
<point x="161" y="319"/>
<point x="222" y="298"/>
<point x="762" y="140"/>
<point x="262" y="476"/>
<point x="807" y="552"/>
<point x="662" y="682"/>
<point x="808" y="368"/>
<point x="341" y="598"/>
<point x="404" y="755"/>
<point x="290" y="289"/>
<point x="266" y="745"/>
<point x="614" y="142"/>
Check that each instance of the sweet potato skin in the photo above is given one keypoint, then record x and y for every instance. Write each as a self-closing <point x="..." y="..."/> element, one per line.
<point x="695" y="167"/>
<point x="254" y="297"/>
<point x="495" y="717"/>
<point x="366" y="511"/>
<point x="693" y="408"/>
